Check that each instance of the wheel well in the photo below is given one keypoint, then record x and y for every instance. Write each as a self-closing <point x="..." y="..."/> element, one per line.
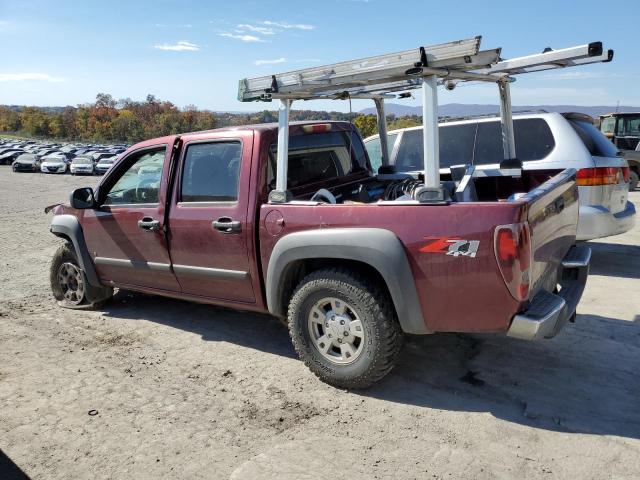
<point x="64" y="237"/>
<point x="297" y="270"/>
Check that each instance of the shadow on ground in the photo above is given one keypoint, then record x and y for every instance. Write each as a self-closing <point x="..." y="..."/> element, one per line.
<point x="9" y="470"/>
<point x="585" y="380"/>
<point x="615" y="260"/>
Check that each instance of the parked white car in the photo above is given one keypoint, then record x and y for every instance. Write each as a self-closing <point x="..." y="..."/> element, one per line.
<point x="82" y="166"/>
<point x="105" y="164"/>
<point x="54" y="163"/>
<point x="545" y="142"/>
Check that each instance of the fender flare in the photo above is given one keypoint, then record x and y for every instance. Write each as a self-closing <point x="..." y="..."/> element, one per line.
<point x="67" y="226"/>
<point x="376" y="247"/>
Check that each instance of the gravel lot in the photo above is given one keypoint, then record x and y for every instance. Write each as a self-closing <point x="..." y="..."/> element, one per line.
<point x="193" y="391"/>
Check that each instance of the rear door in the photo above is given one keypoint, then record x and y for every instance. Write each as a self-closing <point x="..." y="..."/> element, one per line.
<point x="125" y="234"/>
<point x="209" y="231"/>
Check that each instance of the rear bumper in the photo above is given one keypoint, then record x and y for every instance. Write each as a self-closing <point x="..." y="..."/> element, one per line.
<point x="549" y="312"/>
<point x="598" y="222"/>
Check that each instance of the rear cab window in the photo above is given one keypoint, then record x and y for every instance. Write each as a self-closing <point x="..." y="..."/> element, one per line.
<point x="320" y="157"/>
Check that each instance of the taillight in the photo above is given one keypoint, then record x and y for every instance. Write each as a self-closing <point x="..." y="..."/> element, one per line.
<point x="317" y="128"/>
<point x="589" y="177"/>
<point x="625" y="174"/>
<point x="513" y="254"/>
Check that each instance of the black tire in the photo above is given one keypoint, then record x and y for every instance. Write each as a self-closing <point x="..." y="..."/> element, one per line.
<point x="66" y="255"/>
<point x="382" y="338"/>
<point x="634" y="178"/>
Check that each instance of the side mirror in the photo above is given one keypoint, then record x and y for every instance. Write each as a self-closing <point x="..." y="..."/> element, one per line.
<point x="82" y="198"/>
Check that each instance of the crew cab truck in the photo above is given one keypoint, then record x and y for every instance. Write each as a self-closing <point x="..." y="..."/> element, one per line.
<point x="292" y="220"/>
<point x="347" y="262"/>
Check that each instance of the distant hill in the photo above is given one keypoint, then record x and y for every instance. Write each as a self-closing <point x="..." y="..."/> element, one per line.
<point x="463" y="110"/>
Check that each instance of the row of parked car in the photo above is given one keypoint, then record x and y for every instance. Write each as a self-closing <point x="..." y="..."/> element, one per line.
<point x="76" y="159"/>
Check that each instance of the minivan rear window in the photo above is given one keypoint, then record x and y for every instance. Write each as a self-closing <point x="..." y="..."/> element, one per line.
<point x="595" y="141"/>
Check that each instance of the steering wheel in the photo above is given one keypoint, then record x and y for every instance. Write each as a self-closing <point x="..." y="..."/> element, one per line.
<point x="325" y="196"/>
<point x="146" y="189"/>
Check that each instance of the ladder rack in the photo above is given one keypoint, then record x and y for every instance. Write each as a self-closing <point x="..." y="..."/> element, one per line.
<point x="393" y="75"/>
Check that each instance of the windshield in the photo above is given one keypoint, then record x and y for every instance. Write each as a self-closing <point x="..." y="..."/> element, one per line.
<point x="26" y="158"/>
<point x="82" y="160"/>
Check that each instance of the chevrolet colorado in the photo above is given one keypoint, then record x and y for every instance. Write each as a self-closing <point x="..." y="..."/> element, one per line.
<point x="349" y="262"/>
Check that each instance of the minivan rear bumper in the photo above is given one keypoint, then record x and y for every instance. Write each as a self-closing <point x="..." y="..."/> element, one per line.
<point x="549" y="312"/>
<point x="597" y="222"/>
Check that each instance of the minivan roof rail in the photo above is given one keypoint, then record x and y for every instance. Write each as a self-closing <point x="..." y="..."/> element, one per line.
<point x="393" y="75"/>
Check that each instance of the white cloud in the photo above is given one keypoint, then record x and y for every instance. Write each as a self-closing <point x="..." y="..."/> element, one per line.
<point x="288" y="26"/>
<point x="29" y="77"/>
<point x="244" y="38"/>
<point x="270" y="62"/>
<point x="181" y="46"/>
<point x="257" y="29"/>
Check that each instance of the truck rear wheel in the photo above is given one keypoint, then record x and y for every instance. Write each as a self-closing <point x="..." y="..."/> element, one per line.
<point x="344" y="328"/>
<point x="69" y="283"/>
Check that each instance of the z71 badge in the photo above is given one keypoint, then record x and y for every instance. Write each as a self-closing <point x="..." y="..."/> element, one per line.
<point x="457" y="247"/>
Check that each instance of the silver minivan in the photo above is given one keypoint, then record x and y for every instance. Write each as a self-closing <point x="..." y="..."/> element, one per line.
<point x="546" y="142"/>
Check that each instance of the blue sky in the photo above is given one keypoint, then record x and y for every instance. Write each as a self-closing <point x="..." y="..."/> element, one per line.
<point x="194" y="52"/>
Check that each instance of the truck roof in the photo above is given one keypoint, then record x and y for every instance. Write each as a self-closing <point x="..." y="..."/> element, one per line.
<point x="295" y="127"/>
<point x="620" y="114"/>
<point x="273" y="126"/>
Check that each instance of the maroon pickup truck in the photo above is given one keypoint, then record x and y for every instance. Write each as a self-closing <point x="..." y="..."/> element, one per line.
<point x="349" y="260"/>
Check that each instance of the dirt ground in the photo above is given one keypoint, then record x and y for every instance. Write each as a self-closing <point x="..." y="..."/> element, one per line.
<point x="191" y="391"/>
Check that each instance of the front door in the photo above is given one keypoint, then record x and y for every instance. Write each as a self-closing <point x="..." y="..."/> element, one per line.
<point x="126" y="233"/>
<point x="208" y="229"/>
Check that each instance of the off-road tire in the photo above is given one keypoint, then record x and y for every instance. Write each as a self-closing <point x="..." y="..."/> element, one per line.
<point x="374" y="308"/>
<point x="66" y="254"/>
<point x="634" y="178"/>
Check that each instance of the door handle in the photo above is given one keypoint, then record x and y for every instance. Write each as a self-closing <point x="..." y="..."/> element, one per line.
<point x="149" y="224"/>
<point x="227" y="225"/>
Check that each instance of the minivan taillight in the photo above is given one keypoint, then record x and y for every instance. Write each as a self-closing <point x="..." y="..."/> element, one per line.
<point x="589" y="177"/>
<point x="513" y="253"/>
<point x="625" y="174"/>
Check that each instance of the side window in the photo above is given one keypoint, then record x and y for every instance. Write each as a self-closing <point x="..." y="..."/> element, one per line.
<point x="456" y="147"/>
<point x="410" y="151"/>
<point x="456" y="144"/>
<point x="140" y="182"/>
<point x="210" y="172"/>
<point x="489" y="143"/>
<point x="375" y="150"/>
<point x="533" y="137"/>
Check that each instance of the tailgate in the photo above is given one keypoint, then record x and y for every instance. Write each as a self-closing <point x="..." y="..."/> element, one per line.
<point x="552" y="214"/>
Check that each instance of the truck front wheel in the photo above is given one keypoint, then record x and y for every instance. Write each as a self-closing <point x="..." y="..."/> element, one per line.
<point x="69" y="283"/>
<point x="344" y="328"/>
